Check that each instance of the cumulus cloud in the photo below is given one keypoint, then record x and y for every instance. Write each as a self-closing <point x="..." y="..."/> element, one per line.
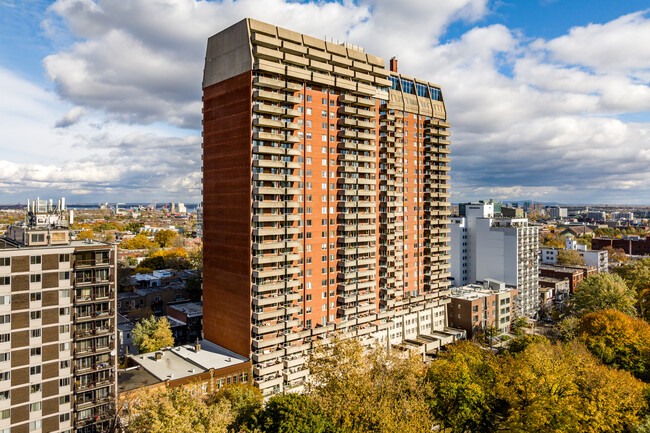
<point x="135" y="167"/>
<point x="70" y="118"/>
<point x="543" y="119"/>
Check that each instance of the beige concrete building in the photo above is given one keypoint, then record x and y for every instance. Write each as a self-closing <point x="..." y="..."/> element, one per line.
<point x="57" y="327"/>
<point x="325" y="200"/>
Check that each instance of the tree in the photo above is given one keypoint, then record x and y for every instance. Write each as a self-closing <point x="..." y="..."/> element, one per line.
<point x="518" y="326"/>
<point x="378" y="391"/>
<point x="137" y="314"/>
<point x="603" y="292"/>
<point x="294" y="413"/>
<point x="569" y="258"/>
<point x="85" y="234"/>
<point x="194" y="286"/>
<point x="152" y="334"/>
<point x="165" y="238"/>
<point x="245" y="402"/>
<point x="124" y="274"/>
<point x="139" y="242"/>
<point x="637" y="276"/>
<point x="195" y="256"/>
<point x="615" y="255"/>
<point x="563" y="388"/>
<point x="178" y="411"/>
<point x="133" y="227"/>
<point x="566" y="330"/>
<point x="175" y="258"/>
<point x="618" y="340"/>
<point x="461" y="388"/>
<point x="552" y="240"/>
<point x="520" y="344"/>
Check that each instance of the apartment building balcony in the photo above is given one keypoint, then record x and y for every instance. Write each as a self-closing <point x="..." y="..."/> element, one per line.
<point x="269" y="382"/>
<point x="296" y="374"/>
<point x="275" y="284"/>
<point x="261" y="301"/>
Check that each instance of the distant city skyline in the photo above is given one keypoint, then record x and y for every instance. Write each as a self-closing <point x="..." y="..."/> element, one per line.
<point x="548" y="100"/>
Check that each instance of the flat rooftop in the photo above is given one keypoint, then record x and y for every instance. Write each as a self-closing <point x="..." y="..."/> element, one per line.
<point x="191" y="309"/>
<point x="183" y="361"/>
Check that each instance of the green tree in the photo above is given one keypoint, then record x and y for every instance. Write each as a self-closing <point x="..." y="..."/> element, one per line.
<point x="637" y="276"/>
<point x="178" y="411"/>
<point x="618" y="340"/>
<point x="165" y="238"/>
<point x="245" y="402"/>
<point x="566" y="330"/>
<point x="461" y="388"/>
<point x="518" y="326"/>
<point x="294" y="413"/>
<point x="603" y="292"/>
<point x="569" y="258"/>
<point x="133" y="227"/>
<point x="152" y="334"/>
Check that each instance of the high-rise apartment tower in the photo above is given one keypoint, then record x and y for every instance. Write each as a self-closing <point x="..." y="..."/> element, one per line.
<point x="57" y="327"/>
<point x="325" y="199"/>
<point x="505" y="249"/>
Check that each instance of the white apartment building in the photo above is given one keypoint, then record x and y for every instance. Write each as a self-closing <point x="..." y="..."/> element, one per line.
<point x="597" y="258"/>
<point x="557" y="212"/>
<point x="504" y="249"/>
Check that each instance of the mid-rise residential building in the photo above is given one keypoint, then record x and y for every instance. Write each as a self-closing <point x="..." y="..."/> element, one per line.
<point x="633" y="245"/>
<point x="596" y="215"/>
<point x="595" y="258"/>
<point x="477" y="307"/>
<point x="628" y="216"/>
<point x="325" y="198"/>
<point x="557" y="212"/>
<point x="504" y="249"/>
<point x="57" y="327"/>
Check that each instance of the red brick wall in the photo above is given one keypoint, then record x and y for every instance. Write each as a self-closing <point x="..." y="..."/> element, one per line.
<point x="227" y="213"/>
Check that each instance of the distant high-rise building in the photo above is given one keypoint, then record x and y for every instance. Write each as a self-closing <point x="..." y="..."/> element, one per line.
<point x="504" y="249"/>
<point x="557" y="212"/>
<point x="57" y="327"/>
<point x="325" y="200"/>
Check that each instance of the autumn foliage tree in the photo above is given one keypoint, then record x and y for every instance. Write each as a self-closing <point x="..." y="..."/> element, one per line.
<point x="165" y="238"/>
<point x="378" y="391"/>
<point x="152" y="334"/>
<point x="569" y="258"/>
<point x="618" y="340"/>
<point x="138" y="242"/>
<point x="553" y="387"/>
<point x="175" y="258"/>
<point x="178" y="411"/>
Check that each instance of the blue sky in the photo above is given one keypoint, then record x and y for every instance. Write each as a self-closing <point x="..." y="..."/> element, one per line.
<point x="548" y="100"/>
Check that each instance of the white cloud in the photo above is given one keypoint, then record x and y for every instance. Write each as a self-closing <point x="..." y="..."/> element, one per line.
<point x="529" y="118"/>
<point x="619" y="45"/>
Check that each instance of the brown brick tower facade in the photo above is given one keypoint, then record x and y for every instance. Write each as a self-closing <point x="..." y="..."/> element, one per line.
<point x="325" y="200"/>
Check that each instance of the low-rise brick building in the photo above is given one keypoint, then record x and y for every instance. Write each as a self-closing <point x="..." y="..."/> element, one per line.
<point x="475" y="307"/>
